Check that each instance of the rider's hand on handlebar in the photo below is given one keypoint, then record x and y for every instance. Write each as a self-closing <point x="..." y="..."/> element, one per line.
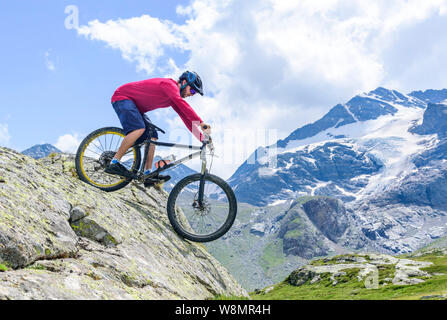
<point x="206" y="129"/>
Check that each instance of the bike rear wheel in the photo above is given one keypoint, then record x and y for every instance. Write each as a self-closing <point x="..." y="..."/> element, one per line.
<point x="208" y="222"/>
<point x="95" y="153"/>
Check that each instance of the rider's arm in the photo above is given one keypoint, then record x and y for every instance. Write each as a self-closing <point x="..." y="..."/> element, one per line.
<point x="184" y="110"/>
<point x="188" y="116"/>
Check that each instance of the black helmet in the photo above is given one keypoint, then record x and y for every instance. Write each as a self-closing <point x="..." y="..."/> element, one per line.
<point x="193" y="80"/>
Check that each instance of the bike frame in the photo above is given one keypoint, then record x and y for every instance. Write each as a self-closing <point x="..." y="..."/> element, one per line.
<point x="201" y="152"/>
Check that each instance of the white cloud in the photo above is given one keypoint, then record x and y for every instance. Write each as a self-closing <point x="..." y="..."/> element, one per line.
<point x="5" y="137"/>
<point x="274" y="63"/>
<point x="140" y="39"/>
<point x="69" y="143"/>
<point x="48" y="62"/>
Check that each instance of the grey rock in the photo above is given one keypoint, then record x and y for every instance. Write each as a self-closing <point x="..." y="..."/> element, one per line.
<point x="430" y="96"/>
<point x="434" y="121"/>
<point x="328" y="215"/>
<point x="300" y="237"/>
<point x="258" y="229"/>
<point x="88" y="228"/>
<point x="124" y="249"/>
<point x="76" y="214"/>
<point x="267" y="290"/>
<point x="301" y="276"/>
<point x="405" y="272"/>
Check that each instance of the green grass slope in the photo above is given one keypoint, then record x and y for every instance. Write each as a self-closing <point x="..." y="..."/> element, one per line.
<point x="348" y="286"/>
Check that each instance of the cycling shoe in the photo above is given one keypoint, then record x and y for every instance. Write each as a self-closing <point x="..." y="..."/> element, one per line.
<point x="156" y="180"/>
<point x="118" y="169"/>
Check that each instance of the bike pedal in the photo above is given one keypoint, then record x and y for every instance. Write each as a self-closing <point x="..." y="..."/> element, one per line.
<point x="152" y="182"/>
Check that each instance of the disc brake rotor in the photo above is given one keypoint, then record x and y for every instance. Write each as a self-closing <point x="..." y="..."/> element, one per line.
<point x="201" y="210"/>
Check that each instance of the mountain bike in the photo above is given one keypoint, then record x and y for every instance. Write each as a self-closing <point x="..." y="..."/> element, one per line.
<point x="201" y="207"/>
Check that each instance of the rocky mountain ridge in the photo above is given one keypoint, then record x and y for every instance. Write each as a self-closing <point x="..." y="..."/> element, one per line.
<point x="39" y="151"/>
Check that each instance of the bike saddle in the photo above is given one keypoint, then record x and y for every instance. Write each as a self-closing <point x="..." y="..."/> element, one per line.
<point x="150" y="124"/>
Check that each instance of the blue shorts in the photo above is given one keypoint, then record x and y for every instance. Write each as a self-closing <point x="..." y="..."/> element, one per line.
<point x="131" y="119"/>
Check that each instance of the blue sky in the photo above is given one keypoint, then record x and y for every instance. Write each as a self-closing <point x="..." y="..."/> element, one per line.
<point x="40" y="104"/>
<point x="268" y="66"/>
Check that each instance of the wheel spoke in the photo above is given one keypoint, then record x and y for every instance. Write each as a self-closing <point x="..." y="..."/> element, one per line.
<point x="94" y="144"/>
<point x="118" y="143"/>
<point x="99" y="140"/>
<point x="96" y="156"/>
<point x="111" y="142"/>
<point x="88" y="148"/>
<point x="208" y="219"/>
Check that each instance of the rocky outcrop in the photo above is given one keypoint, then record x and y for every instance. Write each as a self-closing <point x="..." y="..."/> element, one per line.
<point x="314" y="226"/>
<point x="362" y="267"/>
<point x="434" y="121"/>
<point x="63" y="239"/>
<point x="328" y="215"/>
<point x="430" y="96"/>
<point x="258" y="229"/>
<point x="300" y="237"/>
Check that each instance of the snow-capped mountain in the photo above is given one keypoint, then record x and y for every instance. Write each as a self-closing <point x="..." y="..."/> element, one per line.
<point x="383" y="153"/>
<point x="41" y="151"/>
<point x="341" y="152"/>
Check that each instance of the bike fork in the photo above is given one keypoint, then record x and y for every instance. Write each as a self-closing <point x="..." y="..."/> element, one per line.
<point x="202" y="183"/>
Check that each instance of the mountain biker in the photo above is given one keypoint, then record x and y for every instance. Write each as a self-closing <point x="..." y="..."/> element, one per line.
<point x="132" y="100"/>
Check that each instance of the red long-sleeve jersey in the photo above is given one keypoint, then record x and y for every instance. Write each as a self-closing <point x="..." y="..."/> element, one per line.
<point x="157" y="93"/>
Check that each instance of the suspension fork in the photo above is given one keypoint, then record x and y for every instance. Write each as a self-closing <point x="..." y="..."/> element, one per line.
<point x="203" y="172"/>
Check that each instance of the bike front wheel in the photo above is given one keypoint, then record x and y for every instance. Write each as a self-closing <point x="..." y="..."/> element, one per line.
<point x="209" y="221"/>
<point x="95" y="153"/>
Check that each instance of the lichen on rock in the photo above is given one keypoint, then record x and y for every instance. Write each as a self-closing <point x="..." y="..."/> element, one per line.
<point x="63" y="239"/>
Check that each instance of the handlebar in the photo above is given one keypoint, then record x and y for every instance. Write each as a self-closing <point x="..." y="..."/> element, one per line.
<point x="208" y="141"/>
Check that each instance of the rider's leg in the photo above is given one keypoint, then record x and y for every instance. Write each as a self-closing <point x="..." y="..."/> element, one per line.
<point x="128" y="141"/>
<point x="133" y="124"/>
<point x="148" y="166"/>
<point x="150" y="156"/>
